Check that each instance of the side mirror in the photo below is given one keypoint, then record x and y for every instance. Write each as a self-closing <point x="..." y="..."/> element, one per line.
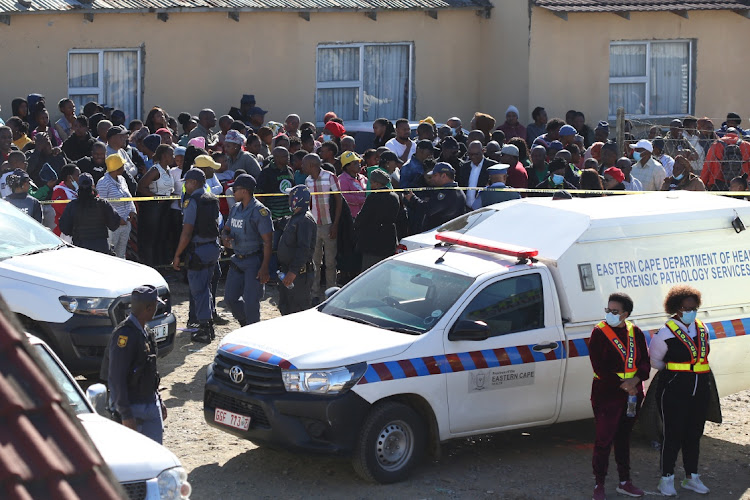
<point x="331" y="291"/>
<point x="97" y="396"/>
<point x="469" y="330"/>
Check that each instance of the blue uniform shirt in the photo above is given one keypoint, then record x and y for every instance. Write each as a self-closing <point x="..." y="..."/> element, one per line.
<point x="247" y="225"/>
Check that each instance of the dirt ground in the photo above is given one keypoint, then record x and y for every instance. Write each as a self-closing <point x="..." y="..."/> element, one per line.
<point x="540" y="463"/>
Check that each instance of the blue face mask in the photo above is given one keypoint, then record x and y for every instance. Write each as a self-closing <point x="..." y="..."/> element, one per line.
<point x="453" y="131"/>
<point x="557" y="179"/>
<point x="679" y="177"/>
<point x="688" y="317"/>
<point x="612" y="319"/>
<point x="636" y="156"/>
<point x="327" y="138"/>
<point x="75" y="185"/>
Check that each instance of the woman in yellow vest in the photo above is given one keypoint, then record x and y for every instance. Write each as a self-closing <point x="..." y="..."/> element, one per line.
<point x="681" y="348"/>
<point x="619" y="357"/>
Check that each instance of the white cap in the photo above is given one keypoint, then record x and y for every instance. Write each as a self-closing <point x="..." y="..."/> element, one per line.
<point x="643" y="144"/>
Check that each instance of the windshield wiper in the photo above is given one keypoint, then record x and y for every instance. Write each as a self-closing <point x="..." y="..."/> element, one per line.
<point x="42" y="250"/>
<point x="401" y="329"/>
<point x="398" y="329"/>
<point x="356" y="320"/>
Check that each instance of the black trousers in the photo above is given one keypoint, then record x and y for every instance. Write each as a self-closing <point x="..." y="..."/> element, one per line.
<point x="298" y="298"/>
<point x="682" y="398"/>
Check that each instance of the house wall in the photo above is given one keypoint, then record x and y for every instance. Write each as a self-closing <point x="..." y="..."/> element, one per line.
<point x="198" y="60"/>
<point x="569" y="60"/>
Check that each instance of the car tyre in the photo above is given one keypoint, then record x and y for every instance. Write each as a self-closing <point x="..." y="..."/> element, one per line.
<point x="390" y="444"/>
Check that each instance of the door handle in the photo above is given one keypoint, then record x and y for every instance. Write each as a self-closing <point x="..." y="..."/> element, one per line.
<point x="543" y="347"/>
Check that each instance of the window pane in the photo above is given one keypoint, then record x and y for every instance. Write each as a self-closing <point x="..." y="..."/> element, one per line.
<point x="338" y="65"/>
<point x="121" y="81"/>
<point x="631" y="96"/>
<point x="83" y="70"/>
<point x="80" y="100"/>
<point x="670" y="68"/>
<point x="508" y="306"/>
<point x="386" y="82"/>
<point x="343" y="102"/>
<point x="627" y="60"/>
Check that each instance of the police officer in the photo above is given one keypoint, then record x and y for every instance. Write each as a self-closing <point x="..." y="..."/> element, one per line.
<point x="130" y="368"/>
<point x="441" y="205"/>
<point x="249" y="231"/>
<point x="295" y="253"/>
<point x="199" y="242"/>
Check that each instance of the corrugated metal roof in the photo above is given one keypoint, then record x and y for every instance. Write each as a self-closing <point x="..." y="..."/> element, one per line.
<point x="33" y="6"/>
<point x="640" y="5"/>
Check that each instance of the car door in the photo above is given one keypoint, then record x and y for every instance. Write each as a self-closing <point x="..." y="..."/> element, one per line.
<point x="514" y="376"/>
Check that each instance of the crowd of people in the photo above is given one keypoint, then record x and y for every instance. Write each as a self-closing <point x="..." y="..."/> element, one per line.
<point x="375" y="199"/>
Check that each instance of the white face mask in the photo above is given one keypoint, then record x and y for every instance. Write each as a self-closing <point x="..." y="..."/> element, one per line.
<point x="612" y="319"/>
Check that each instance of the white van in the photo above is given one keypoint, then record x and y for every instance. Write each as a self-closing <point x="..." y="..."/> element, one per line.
<point x="486" y="331"/>
<point x="72" y="297"/>
<point x="144" y="468"/>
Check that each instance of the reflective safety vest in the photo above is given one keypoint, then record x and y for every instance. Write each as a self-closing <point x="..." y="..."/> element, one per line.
<point x="698" y="353"/>
<point x="626" y="352"/>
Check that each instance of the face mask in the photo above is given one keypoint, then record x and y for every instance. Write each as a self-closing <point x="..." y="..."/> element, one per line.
<point x="679" y="177"/>
<point x="612" y="319"/>
<point x="327" y="138"/>
<point x="636" y="156"/>
<point x="453" y="131"/>
<point x="75" y="185"/>
<point x="689" y="317"/>
<point x="557" y="179"/>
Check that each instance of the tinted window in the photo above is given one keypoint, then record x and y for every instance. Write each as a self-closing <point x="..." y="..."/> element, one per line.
<point x="509" y="306"/>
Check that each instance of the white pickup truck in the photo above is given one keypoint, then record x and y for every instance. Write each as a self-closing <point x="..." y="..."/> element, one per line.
<point x="484" y="330"/>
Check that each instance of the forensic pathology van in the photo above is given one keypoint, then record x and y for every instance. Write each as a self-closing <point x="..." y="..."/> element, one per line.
<point x="484" y="331"/>
<point x="70" y="297"/>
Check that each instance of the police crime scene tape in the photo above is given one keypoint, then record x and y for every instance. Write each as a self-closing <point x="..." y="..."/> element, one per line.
<point x="415" y="190"/>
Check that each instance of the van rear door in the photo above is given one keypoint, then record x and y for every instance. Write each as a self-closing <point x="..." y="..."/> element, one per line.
<point x="515" y="375"/>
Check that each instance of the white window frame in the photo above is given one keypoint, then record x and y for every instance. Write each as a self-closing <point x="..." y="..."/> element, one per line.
<point x="647" y="78"/>
<point x="99" y="90"/>
<point x="360" y="83"/>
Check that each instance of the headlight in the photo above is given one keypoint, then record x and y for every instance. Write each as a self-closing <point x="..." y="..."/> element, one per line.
<point x="94" y="306"/>
<point x="330" y="382"/>
<point x="173" y="484"/>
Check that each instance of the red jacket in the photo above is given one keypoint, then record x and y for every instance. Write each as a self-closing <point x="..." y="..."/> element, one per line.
<point x="607" y="361"/>
<point x="61" y="192"/>
<point x="712" y="166"/>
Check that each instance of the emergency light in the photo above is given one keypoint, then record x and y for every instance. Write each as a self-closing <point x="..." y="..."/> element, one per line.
<point x="486" y="245"/>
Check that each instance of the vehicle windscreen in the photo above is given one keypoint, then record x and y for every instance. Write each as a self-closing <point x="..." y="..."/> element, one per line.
<point x="21" y="235"/>
<point x="399" y="296"/>
<point x="67" y="386"/>
<point x="466" y="222"/>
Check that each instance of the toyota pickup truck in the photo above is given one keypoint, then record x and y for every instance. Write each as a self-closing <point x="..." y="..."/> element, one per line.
<point x="484" y="330"/>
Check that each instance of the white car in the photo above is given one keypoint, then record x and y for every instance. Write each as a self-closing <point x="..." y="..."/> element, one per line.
<point x="145" y="469"/>
<point x="72" y="297"/>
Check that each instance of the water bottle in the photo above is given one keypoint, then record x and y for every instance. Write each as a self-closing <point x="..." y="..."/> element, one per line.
<point x="281" y="279"/>
<point x="632" y="403"/>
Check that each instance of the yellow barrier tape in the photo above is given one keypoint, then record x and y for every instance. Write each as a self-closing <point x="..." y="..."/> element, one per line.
<point x="415" y="190"/>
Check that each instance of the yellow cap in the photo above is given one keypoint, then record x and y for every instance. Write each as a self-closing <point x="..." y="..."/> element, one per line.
<point x="349" y="156"/>
<point x="205" y="161"/>
<point x="114" y="162"/>
<point x="429" y="120"/>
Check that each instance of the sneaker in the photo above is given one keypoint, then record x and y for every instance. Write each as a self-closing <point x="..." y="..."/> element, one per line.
<point x="193" y="324"/>
<point x="204" y="335"/>
<point x="627" y="488"/>
<point x="695" y="484"/>
<point x="666" y="486"/>
<point x="599" y="493"/>
<point x="219" y="320"/>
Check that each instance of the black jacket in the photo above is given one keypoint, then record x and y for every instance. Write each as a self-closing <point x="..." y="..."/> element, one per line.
<point x="436" y="208"/>
<point x="465" y="171"/>
<point x="297" y="243"/>
<point x="375" y="224"/>
<point x="36" y="161"/>
<point x="88" y="222"/>
<point x="87" y="166"/>
<point x="76" y="147"/>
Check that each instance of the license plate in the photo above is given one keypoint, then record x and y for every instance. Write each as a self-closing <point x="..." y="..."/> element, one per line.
<point x="161" y="332"/>
<point x="232" y="419"/>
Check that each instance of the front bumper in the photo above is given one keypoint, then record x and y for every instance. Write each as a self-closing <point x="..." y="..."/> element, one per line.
<point x="289" y="420"/>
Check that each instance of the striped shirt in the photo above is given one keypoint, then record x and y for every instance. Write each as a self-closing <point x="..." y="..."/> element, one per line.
<point x="651" y="175"/>
<point x="321" y="203"/>
<point x="110" y="187"/>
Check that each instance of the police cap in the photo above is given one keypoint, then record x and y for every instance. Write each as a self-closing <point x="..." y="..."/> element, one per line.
<point x="195" y="174"/>
<point x="145" y="294"/>
<point x="245" y="181"/>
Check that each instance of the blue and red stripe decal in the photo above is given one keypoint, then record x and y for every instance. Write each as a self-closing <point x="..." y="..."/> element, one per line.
<point x="257" y="355"/>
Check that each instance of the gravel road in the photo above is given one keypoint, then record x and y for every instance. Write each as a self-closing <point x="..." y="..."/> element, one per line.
<point x="540" y="463"/>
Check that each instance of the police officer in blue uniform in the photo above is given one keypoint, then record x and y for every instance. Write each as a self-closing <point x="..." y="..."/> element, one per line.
<point x="249" y="231"/>
<point x="295" y="253"/>
<point x="438" y="206"/>
<point x="199" y="243"/>
<point x="130" y="368"/>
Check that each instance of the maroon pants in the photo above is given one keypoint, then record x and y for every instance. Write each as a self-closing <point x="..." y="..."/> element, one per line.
<point x="613" y="427"/>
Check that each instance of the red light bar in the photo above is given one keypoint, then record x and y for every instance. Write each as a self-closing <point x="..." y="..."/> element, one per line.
<point x="486" y="245"/>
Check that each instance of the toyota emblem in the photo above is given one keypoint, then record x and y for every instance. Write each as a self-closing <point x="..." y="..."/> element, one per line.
<point x="236" y="374"/>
